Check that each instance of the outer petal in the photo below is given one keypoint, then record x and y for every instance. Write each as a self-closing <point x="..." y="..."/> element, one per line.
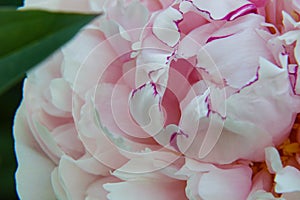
<point x="33" y="164"/>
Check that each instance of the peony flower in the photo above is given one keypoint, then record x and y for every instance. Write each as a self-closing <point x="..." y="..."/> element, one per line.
<point x="165" y="99"/>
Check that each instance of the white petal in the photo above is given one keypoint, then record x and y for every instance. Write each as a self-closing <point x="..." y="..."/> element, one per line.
<point x="145" y="108"/>
<point x="268" y="69"/>
<point x="287" y="180"/>
<point x="165" y="27"/>
<point x="273" y="160"/>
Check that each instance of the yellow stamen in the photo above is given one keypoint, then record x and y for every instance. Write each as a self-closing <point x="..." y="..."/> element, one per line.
<point x="289" y="149"/>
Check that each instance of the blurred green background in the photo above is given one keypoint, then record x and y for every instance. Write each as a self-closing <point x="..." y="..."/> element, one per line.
<point x="9" y="102"/>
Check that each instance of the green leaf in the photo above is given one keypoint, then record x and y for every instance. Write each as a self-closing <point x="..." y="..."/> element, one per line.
<point x="28" y="37"/>
<point x="11" y="2"/>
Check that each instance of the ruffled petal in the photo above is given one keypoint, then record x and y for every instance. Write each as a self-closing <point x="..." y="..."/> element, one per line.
<point x="145" y="108"/>
<point x="225" y="10"/>
<point x="33" y="165"/>
<point x="226" y="59"/>
<point x="259" y="96"/>
<point x="165" y="27"/>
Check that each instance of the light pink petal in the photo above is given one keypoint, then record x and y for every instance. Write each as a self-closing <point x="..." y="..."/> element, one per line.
<point x="33" y="164"/>
<point x="36" y="90"/>
<point x="132" y="18"/>
<point x="192" y="19"/>
<point x="149" y="190"/>
<point x="168" y="137"/>
<point x="195" y="40"/>
<point x="145" y="108"/>
<point x="97" y="139"/>
<point x="118" y="37"/>
<point x="111" y="51"/>
<point x="153" y="165"/>
<point x="233" y="184"/>
<point x="73" y="179"/>
<point x="287" y="180"/>
<point x="206" y="135"/>
<point x="192" y="126"/>
<point x="239" y="135"/>
<point x="165" y="27"/>
<point x="196" y="90"/>
<point x="61" y="94"/>
<point x="259" y="97"/>
<point x="47" y="142"/>
<point x="112" y="101"/>
<point x="262" y="181"/>
<point x="273" y="160"/>
<point x="183" y="72"/>
<point x="66" y="137"/>
<point x="76" y="52"/>
<point x="210" y="182"/>
<point x="152" y="65"/>
<point x="58" y="189"/>
<point x="222" y="57"/>
<point x="96" y="191"/>
<point x="91" y="165"/>
<point x="228" y="10"/>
